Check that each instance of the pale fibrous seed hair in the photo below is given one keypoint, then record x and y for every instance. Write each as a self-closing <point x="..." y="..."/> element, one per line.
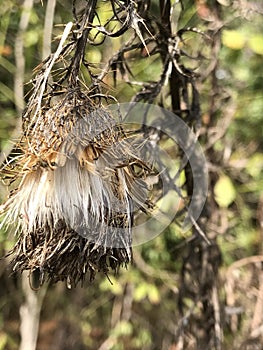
<point x="76" y="184"/>
<point x="78" y="190"/>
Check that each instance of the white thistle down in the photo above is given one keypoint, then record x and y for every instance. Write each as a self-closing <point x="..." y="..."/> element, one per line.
<point x="78" y="180"/>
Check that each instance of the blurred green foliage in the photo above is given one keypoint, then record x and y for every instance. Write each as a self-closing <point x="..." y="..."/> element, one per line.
<point x="149" y="289"/>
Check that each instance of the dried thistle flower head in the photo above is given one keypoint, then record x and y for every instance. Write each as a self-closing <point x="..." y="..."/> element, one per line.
<point x="77" y="194"/>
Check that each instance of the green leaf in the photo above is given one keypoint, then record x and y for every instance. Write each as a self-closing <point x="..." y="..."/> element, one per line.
<point x="140" y="292"/>
<point x="10" y="67"/>
<point x="153" y="294"/>
<point x="254" y="166"/>
<point x="256" y="43"/>
<point x="123" y="328"/>
<point x="225" y="192"/>
<point x="7" y="91"/>
<point x="31" y="38"/>
<point x="252" y="186"/>
<point x="233" y="39"/>
<point x="143" y="340"/>
<point x="114" y="287"/>
<point x="3" y="341"/>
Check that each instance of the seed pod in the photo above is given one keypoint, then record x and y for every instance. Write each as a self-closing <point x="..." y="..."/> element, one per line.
<point x="78" y="191"/>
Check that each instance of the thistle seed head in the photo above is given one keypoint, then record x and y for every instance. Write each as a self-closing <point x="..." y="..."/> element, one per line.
<point x="74" y="206"/>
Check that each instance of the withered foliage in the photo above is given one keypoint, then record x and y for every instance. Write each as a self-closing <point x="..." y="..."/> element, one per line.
<point x="77" y="169"/>
<point x="77" y="166"/>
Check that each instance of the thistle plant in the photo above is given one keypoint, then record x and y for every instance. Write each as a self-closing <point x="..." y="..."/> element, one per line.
<point x="80" y="177"/>
<point x="76" y="174"/>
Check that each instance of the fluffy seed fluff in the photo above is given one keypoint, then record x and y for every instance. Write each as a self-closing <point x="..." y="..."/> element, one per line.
<point x="79" y="187"/>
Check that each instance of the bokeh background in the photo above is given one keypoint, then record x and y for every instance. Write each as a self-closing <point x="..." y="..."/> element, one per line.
<point x="149" y="305"/>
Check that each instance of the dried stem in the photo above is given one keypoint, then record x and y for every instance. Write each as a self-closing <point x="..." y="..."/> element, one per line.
<point x="85" y="28"/>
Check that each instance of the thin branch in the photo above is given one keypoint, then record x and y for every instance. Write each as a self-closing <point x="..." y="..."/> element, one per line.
<point x="19" y="56"/>
<point x="44" y="78"/>
<point x="18" y="76"/>
<point x="48" y="27"/>
<point x="82" y="41"/>
<point x="243" y="262"/>
<point x="217" y="326"/>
